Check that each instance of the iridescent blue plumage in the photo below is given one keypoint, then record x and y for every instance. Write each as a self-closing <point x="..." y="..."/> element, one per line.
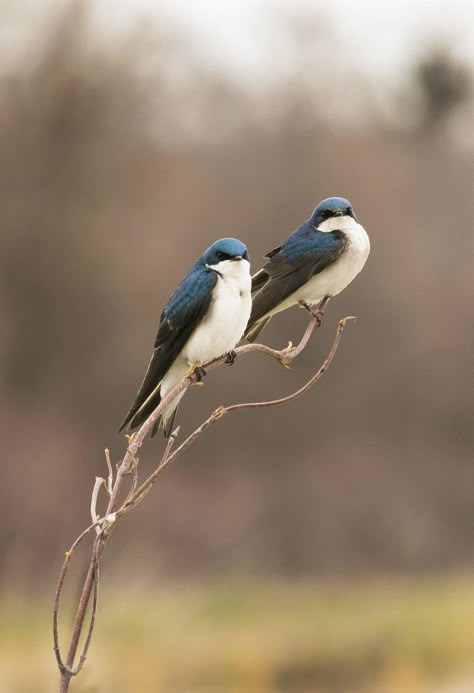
<point x="301" y="269"/>
<point x="189" y="305"/>
<point x="307" y="245"/>
<point x="194" y="293"/>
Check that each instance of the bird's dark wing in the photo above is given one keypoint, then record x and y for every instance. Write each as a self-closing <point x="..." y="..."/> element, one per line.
<point x="261" y="277"/>
<point x="290" y="266"/>
<point x="183" y="313"/>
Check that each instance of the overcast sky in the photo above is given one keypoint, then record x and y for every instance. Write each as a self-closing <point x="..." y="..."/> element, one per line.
<point x="379" y="34"/>
<point x="247" y="38"/>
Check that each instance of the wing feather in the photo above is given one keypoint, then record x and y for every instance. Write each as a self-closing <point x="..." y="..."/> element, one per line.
<point x="183" y="313"/>
<point x="290" y="266"/>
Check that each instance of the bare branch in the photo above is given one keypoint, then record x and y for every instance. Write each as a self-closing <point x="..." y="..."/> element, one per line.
<point x="110" y="477"/>
<point x="129" y="465"/>
<point x="87" y="643"/>
<point x="137" y="496"/>
<point x="220" y="412"/>
<point x="68" y="556"/>
<point x="95" y="492"/>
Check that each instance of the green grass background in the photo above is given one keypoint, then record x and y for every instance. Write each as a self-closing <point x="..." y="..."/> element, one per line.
<point x="377" y="637"/>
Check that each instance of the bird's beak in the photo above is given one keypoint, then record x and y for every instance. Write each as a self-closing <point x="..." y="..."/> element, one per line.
<point x="236" y="258"/>
<point x="341" y="213"/>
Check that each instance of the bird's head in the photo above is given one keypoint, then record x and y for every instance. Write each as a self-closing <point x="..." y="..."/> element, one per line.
<point x="225" y="252"/>
<point x="332" y="213"/>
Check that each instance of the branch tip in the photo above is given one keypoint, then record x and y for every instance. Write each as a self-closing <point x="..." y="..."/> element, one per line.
<point x="129" y="464"/>
<point x="348" y="318"/>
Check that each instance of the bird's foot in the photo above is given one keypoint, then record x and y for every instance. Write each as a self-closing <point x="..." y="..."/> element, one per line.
<point x="317" y="311"/>
<point x="200" y="373"/>
<point x="318" y="315"/>
<point x="284" y="360"/>
<point x="197" y="370"/>
<point x="230" y="357"/>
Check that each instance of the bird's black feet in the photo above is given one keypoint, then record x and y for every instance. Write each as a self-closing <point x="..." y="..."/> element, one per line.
<point x="230" y="357"/>
<point x="200" y="373"/>
<point x="317" y="311"/>
<point x="318" y="314"/>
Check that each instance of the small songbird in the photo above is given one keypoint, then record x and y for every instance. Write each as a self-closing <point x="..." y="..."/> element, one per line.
<point x="315" y="263"/>
<point x="205" y="318"/>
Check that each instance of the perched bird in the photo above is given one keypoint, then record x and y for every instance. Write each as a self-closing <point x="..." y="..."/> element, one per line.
<point x="204" y="319"/>
<point x="315" y="263"/>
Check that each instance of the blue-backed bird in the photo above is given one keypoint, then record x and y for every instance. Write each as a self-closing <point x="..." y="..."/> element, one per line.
<point x="315" y="263"/>
<point x="204" y="319"/>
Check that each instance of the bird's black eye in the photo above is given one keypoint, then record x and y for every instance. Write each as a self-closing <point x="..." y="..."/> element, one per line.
<point x="349" y="211"/>
<point x="222" y="256"/>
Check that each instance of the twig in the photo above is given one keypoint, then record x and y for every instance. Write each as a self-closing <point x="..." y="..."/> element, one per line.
<point x="137" y="496"/>
<point x="67" y="560"/>
<point x="129" y="463"/>
<point x="95" y="492"/>
<point x="110" y="477"/>
<point x="221" y="411"/>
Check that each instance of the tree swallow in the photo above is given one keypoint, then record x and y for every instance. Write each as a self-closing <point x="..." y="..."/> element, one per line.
<point x="204" y="319"/>
<point x="315" y="263"/>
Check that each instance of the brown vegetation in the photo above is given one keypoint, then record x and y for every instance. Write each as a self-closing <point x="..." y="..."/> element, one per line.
<point x="115" y="176"/>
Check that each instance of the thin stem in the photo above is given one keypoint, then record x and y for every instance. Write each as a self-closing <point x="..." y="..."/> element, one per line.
<point x="85" y="650"/>
<point x="136" y="495"/>
<point x="222" y="411"/>
<point x="68" y="556"/>
<point x="95" y="494"/>
<point x="77" y="628"/>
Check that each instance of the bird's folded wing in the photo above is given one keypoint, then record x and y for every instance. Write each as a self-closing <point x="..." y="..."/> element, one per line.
<point x="260" y="277"/>
<point x="288" y="269"/>
<point x="183" y="313"/>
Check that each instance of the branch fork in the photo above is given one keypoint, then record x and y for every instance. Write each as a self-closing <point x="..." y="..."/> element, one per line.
<point x="128" y="466"/>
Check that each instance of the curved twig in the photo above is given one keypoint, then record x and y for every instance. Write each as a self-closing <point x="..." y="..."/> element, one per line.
<point x="87" y="643"/>
<point x="220" y="412"/>
<point x="285" y="356"/>
<point x="57" y="598"/>
<point x="135" y="495"/>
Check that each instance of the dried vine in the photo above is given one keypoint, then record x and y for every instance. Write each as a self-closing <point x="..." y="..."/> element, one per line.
<point x="128" y="467"/>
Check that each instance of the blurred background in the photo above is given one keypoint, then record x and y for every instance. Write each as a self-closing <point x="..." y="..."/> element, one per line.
<point x="325" y="546"/>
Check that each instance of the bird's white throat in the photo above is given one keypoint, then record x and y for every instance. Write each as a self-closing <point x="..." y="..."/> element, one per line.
<point x="337" y="224"/>
<point x="223" y="325"/>
<point x="233" y="270"/>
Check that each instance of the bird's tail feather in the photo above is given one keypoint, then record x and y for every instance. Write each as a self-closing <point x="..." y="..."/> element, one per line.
<point x="142" y="415"/>
<point x="167" y="424"/>
<point x="254" y="329"/>
<point x="258" y="280"/>
<point x="140" y="405"/>
<point x="144" y="412"/>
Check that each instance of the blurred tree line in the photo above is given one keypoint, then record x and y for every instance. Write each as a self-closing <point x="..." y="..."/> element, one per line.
<point x="121" y="161"/>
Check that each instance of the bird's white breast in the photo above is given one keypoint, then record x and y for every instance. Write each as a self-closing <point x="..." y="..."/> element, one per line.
<point x="219" y="331"/>
<point x="227" y="317"/>
<point x="222" y="327"/>
<point x="334" y="279"/>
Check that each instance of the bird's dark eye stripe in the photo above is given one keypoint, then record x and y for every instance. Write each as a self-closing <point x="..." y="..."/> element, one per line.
<point x="221" y="255"/>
